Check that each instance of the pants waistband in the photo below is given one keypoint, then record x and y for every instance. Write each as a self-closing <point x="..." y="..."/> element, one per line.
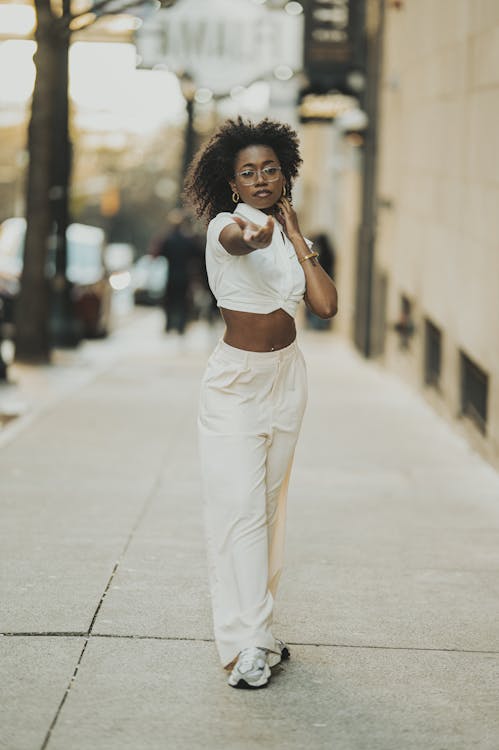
<point x="256" y="358"/>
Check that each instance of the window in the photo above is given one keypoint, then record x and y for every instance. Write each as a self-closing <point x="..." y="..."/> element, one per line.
<point x="474" y="391"/>
<point x="405" y="324"/>
<point x="433" y="354"/>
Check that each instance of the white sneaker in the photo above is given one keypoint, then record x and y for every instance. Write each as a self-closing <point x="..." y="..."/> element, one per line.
<point x="251" y="670"/>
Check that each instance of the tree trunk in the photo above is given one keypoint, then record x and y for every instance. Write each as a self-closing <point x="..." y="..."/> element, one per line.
<point x="65" y="330"/>
<point x="32" y="314"/>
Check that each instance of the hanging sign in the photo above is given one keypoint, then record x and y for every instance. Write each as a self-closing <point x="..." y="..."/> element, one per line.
<point x="221" y="43"/>
<point x="333" y="38"/>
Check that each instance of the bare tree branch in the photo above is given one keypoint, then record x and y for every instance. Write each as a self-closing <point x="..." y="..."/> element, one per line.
<point x="117" y="12"/>
<point x="101" y="5"/>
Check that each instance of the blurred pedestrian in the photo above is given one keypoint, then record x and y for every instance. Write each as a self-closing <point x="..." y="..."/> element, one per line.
<point x="179" y="248"/>
<point x="322" y="245"/>
<point x="204" y="303"/>
<point x="253" y="392"/>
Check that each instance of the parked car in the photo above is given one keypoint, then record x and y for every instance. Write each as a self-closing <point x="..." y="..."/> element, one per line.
<point x="149" y="277"/>
<point x="119" y="263"/>
<point x="119" y="256"/>
<point x="12" y="232"/>
<point x="85" y="269"/>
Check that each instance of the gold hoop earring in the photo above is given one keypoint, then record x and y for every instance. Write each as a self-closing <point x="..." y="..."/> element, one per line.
<point x="235" y="196"/>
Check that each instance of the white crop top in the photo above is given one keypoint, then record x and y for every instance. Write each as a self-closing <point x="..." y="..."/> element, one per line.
<point x="261" y="281"/>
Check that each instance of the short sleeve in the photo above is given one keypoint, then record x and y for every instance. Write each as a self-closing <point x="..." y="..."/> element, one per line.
<point x="215" y="227"/>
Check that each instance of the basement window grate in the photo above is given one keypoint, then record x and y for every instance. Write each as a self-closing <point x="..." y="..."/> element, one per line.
<point x="433" y="354"/>
<point x="405" y="324"/>
<point x="474" y="392"/>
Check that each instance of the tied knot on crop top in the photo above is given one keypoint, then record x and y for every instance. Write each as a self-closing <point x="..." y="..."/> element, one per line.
<point x="263" y="280"/>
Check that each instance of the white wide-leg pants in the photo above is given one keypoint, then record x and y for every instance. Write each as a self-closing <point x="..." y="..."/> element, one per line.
<point x="250" y="412"/>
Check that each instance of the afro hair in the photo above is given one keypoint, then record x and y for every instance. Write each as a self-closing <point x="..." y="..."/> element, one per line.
<point x="206" y="186"/>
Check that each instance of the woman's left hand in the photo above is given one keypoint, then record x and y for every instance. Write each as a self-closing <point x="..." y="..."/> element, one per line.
<point x="288" y="218"/>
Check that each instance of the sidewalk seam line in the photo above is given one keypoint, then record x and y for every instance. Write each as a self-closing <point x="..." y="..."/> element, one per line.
<point x="64" y="697"/>
<point x="152" y="493"/>
<point x="187" y="639"/>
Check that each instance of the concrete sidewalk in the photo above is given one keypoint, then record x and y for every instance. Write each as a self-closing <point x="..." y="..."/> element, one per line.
<point x="390" y="597"/>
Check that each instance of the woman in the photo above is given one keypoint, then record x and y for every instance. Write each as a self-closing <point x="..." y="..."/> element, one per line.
<point x="253" y="392"/>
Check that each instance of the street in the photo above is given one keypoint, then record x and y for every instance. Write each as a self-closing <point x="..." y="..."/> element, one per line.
<point x="389" y="600"/>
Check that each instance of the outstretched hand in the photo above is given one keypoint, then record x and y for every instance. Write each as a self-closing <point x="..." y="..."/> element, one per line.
<point x="253" y="235"/>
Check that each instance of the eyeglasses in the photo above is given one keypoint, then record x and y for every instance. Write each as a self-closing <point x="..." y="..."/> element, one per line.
<point x="250" y="176"/>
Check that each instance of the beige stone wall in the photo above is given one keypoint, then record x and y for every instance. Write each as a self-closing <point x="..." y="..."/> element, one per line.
<point x="438" y="241"/>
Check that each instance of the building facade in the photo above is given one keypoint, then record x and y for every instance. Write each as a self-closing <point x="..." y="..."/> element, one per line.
<point x="436" y="270"/>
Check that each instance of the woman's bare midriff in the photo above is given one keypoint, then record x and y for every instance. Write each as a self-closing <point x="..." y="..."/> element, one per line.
<point x="257" y="332"/>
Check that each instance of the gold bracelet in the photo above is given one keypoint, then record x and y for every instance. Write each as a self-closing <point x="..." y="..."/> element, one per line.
<point x="307" y="257"/>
